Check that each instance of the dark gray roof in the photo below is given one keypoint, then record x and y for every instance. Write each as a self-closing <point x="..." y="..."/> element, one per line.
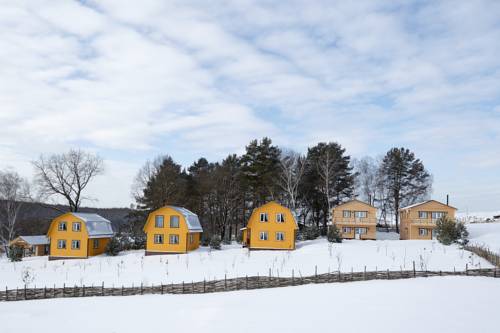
<point x="36" y="240"/>
<point x="97" y="226"/>
<point x="192" y="220"/>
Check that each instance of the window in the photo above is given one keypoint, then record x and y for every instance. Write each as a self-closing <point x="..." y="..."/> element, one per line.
<point x="77" y="226"/>
<point x="159" y="221"/>
<point x="360" y="231"/>
<point x="62" y="226"/>
<point x="423" y="232"/>
<point x="174" y="239"/>
<point x="346" y="230"/>
<point x="174" y="221"/>
<point x="280" y="236"/>
<point x="158" y="239"/>
<point x="61" y="244"/>
<point x="191" y="238"/>
<point x="437" y="215"/>
<point x="280" y="217"/>
<point x="75" y="244"/>
<point x="361" y="215"/>
<point x="263" y="235"/>
<point x="95" y="243"/>
<point x="422" y="215"/>
<point x="263" y="217"/>
<point x="346" y="213"/>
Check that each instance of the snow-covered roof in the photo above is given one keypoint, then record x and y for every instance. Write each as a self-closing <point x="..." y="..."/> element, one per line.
<point x="192" y="221"/>
<point x="97" y="226"/>
<point x="36" y="240"/>
<point x="424" y="202"/>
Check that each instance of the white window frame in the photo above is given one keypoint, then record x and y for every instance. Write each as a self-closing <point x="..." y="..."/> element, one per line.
<point x="361" y="214"/>
<point x="263" y="236"/>
<point x="360" y="231"/>
<point x="158" y="239"/>
<point x="173" y="237"/>
<point x="95" y="243"/>
<point x="423" y="214"/>
<point x="346" y="230"/>
<point x="60" y="228"/>
<point x="346" y="214"/>
<point x="73" y="242"/>
<point x="61" y="243"/>
<point x="423" y="232"/>
<point x="78" y="229"/>
<point x="157" y="220"/>
<point x="264" y="217"/>
<point x="172" y="219"/>
<point x="280" y="218"/>
<point x="191" y="238"/>
<point x="437" y="215"/>
<point x="280" y="236"/>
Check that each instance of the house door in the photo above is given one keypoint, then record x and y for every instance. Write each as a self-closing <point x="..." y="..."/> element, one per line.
<point x="357" y="233"/>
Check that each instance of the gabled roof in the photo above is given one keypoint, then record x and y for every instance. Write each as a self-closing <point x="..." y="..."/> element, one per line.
<point x="192" y="221"/>
<point x="425" y="202"/>
<point x="354" y="200"/>
<point x="97" y="226"/>
<point x="36" y="240"/>
<point x="272" y="202"/>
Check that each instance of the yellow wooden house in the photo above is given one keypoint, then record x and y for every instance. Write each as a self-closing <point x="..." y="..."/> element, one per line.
<point x="79" y="235"/>
<point x="418" y="221"/>
<point x="172" y="229"/>
<point x="271" y="226"/>
<point x="356" y="220"/>
<point x="32" y="245"/>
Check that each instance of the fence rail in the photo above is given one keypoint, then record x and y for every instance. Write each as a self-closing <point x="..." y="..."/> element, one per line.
<point x="241" y="283"/>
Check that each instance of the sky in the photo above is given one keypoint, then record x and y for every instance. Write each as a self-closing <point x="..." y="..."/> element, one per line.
<point x="131" y="80"/>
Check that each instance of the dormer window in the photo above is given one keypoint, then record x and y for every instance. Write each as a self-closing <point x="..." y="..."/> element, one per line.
<point x="263" y="217"/>
<point x="280" y="218"/>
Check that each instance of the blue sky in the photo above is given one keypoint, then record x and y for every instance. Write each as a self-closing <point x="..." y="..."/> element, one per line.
<point x="134" y="79"/>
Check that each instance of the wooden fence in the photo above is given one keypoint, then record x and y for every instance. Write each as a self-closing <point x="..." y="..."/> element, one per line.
<point x="241" y="283"/>
<point x="485" y="253"/>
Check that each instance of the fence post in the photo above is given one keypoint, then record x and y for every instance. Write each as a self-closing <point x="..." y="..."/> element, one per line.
<point x="388" y="275"/>
<point x="74" y="290"/>
<point x="246" y="282"/>
<point x="225" y="281"/>
<point x="183" y="287"/>
<point x="162" y="288"/>
<point x="25" y="292"/>
<point x="64" y="289"/>
<point x="83" y="290"/>
<point x="102" y="289"/>
<point x="192" y="286"/>
<point x="364" y="274"/>
<point x="414" y="272"/>
<point x="122" y="289"/>
<point x="204" y="286"/>
<point x="466" y="269"/>
<point x="45" y="292"/>
<point x="142" y="292"/>
<point x="293" y="278"/>
<point x="6" y="293"/>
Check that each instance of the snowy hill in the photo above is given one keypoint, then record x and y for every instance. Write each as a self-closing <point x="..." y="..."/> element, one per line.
<point x="485" y="234"/>
<point x="133" y="267"/>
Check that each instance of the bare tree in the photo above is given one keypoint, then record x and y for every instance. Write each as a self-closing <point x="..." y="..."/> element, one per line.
<point x="292" y="169"/>
<point x="14" y="191"/>
<point x="366" y="170"/>
<point x="67" y="175"/>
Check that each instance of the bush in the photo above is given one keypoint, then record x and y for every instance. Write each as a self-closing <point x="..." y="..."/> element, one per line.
<point x="450" y="231"/>
<point x="311" y="232"/>
<point x="215" y="242"/>
<point x="15" y="253"/>
<point x="334" y="235"/>
<point x="113" y="247"/>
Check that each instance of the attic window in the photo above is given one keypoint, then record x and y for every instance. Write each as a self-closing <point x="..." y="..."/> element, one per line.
<point x="77" y="226"/>
<point x="263" y="217"/>
<point x="61" y="226"/>
<point x="422" y="215"/>
<point x="361" y="215"/>
<point x="280" y="217"/>
<point x="159" y="221"/>
<point x="174" y="221"/>
<point x="346" y="213"/>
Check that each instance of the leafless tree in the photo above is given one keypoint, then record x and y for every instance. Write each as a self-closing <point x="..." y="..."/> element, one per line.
<point x="14" y="191"/>
<point x="67" y="175"/>
<point x="292" y="169"/>
<point x="366" y="170"/>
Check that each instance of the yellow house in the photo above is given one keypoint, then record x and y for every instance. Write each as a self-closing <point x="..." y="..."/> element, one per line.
<point x="32" y="245"/>
<point x="271" y="226"/>
<point x="356" y="220"/>
<point x="418" y="221"/>
<point x="78" y="235"/>
<point x="172" y="229"/>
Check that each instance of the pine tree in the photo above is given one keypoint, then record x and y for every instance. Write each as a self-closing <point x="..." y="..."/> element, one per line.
<point x="450" y="231"/>
<point x="114" y="247"/>
<point x="334" y="235"/>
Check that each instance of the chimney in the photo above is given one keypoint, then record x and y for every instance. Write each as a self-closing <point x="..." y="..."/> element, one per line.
<point x="447" y="200"/>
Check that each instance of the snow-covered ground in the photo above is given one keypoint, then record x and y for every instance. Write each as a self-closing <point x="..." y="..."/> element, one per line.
<point x="133" y="267"/>
<point x="440" y="304"/>
<point x="469" y="217"/>
<point x="485" y="234"/>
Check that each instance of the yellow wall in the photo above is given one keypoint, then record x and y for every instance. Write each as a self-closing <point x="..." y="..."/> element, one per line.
<point x="103" y="242"/>
<point x="183" y="232"/>
<point x="54" y="234"/>
<point x="254" y="227"/>
<point x="411" y="222"/>
<point x="370" y="222"/>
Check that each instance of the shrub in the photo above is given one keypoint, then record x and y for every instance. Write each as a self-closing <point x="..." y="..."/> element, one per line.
<point x="215" y="242"/>
<point x="311" y="232"/>
<point x="15" y="253"/>
<point x="450" y="231"/>
<point x="334" y="235"/>
<point x="113" y="247"/>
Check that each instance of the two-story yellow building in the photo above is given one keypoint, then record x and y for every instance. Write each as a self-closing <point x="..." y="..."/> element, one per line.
<point x="172" y="229"/>
<point x="78" y="235"/>
<point x="356" y="220"/>
<point x="418" y="221"/>
<point x="272" y="227"/>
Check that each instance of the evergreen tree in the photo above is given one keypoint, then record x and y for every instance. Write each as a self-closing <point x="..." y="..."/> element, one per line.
<point x="113" y="247"/>
<point x="14" y="253"/>
<point x="450" y="231"/>
<point x="405" y="179"/>
<point x="334" y="235"/>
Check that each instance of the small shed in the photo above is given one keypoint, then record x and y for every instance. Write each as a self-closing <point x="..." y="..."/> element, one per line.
<point x="32" y="245"/>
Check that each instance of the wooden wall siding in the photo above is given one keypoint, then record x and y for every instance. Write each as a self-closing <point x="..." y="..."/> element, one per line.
<point x="241" y="283"/>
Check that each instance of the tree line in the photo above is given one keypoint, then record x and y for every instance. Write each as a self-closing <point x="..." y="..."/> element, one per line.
<point x="224" y="193"/>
